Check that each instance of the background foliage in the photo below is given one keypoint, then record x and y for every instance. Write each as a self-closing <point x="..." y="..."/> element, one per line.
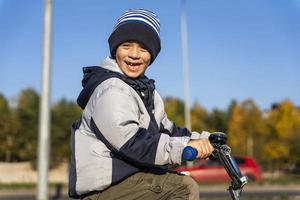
<point x="271" y="136"/>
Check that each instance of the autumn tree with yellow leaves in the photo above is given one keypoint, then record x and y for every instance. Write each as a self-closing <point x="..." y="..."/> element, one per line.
<point x="271" y="137"/>
<point x="282" y="147"/>
<point x="246" y="129"/>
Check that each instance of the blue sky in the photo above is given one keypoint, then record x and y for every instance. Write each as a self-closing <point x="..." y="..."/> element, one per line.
<point x="237" y="49"/>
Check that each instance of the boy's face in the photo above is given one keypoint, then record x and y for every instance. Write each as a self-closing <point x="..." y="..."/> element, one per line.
<point x="133" y="59"/>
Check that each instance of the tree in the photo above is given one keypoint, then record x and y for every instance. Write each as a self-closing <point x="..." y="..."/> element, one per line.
<point x="284" y="137"/>
<point x="247" y="129"/>
<point x="218" y="121"/>
<point x="27" y="116"/>
<point x="64" y="113"/>
<point x="199" y="118"/>
<point x="6" y="138"/>
<point x="175" y="110"/>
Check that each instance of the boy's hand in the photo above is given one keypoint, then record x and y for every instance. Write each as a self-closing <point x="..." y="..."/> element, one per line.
<point x="203" y="147"/>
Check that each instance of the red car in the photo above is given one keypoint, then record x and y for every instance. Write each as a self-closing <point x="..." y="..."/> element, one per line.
<point x="213" y="171"/>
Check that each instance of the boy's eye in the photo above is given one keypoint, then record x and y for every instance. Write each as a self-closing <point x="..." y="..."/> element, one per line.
<point x="125" y="45"/>
<point x="142" y="46"/>
<point x="143" y="49"/>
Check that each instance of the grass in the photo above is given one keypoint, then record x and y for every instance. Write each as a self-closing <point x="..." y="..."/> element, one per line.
<point x="284" y="179"/>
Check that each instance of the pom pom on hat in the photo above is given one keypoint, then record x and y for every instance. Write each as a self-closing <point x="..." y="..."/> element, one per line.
<point x="139" y="25"/>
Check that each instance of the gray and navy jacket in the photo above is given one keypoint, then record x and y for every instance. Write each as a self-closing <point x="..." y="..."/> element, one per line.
<point x="123" y="130"/>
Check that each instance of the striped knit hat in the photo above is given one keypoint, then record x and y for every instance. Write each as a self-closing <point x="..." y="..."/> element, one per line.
<point x="139" y="25"/>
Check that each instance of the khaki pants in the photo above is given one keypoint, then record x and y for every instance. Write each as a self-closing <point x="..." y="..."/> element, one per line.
<point x="146" y="186"/>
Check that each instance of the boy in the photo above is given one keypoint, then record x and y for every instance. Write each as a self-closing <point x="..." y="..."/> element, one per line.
<point x="123" y="144"/>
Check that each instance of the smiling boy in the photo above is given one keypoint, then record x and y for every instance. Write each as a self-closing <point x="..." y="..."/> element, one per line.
<point x="133" y="59"/>
<point x="124" y="142"/>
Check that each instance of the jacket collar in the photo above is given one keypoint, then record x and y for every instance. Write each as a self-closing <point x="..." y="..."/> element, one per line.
<point x="111" y="64"/>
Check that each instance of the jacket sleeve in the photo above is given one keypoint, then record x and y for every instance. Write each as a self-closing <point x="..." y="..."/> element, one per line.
<point x="116" y="121"/>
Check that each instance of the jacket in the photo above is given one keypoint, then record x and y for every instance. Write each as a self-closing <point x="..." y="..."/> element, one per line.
<point x="121" y="131"/>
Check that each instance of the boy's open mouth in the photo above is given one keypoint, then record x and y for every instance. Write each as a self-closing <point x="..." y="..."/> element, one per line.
<point x="132" y="64"/>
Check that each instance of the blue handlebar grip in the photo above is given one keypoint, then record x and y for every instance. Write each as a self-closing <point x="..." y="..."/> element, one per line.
<point x="189" y="153"/>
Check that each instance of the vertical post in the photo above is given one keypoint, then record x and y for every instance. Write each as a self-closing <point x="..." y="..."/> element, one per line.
<point x="44" y="115"/>
<point x="185" y="62"/>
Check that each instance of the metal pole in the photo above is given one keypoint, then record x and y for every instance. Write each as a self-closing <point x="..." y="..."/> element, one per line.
<point x="44" y="117"/>
<point x="185" y="60"/>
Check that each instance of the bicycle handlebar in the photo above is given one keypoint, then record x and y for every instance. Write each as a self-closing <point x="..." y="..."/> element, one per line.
<point x="222" y="153"/>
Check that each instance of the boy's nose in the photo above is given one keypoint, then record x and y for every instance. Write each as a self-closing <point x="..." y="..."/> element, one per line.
<point x="134" y="52"/>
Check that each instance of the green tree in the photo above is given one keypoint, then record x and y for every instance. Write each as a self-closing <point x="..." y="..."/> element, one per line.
<point x="199" y="118"/>
<point x="229" y="112"/>
<point x="175" y="110"/>
<point x="27" y="116"/>
<point x="64" y="113"/>
<point x="218" y="121"/>
<point x="6" y="138"/>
